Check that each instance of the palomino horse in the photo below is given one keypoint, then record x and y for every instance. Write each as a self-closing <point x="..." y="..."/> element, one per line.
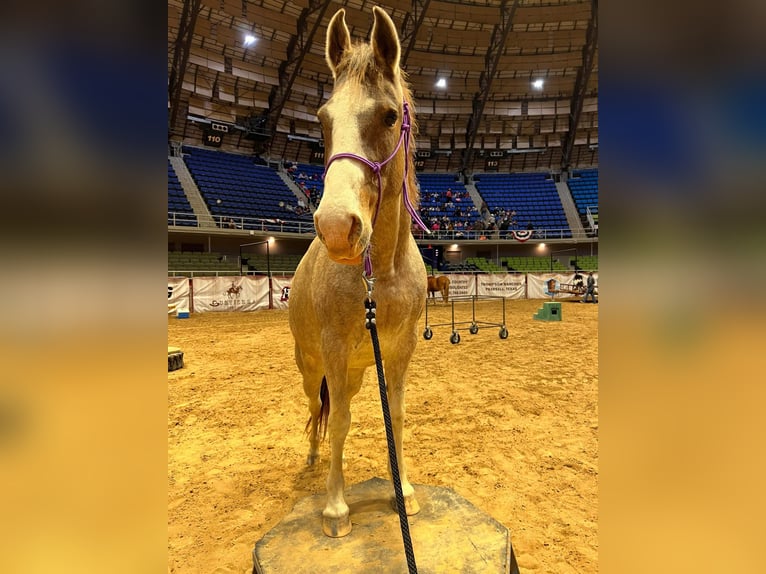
<point x="360" y="224"/>
<point x="439" y="284"/>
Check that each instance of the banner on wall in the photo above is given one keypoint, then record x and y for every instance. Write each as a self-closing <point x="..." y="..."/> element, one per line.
<point x="509" y="285"/>
<point x="537" y="284"/>
<point x="238" y="293"/>
<point x="178" y="294"/>
<point x="460" y="285"/>
<point x="280" y="292"/>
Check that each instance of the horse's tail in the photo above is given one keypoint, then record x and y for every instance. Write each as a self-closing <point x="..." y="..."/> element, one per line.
<point x="324" y="411"/>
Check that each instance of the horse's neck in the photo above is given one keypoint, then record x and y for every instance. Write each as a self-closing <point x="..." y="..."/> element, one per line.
<point x="391" y="233"/>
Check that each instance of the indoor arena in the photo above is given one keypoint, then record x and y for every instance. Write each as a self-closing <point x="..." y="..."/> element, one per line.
<point x="404" y="191"/>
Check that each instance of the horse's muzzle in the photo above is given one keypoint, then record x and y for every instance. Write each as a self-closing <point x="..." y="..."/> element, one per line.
<point x="342" y="235"/>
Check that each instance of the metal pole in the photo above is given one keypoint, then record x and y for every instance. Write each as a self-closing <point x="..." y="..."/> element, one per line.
<point x="240" y="260"/>
<point x="268" y="272"/>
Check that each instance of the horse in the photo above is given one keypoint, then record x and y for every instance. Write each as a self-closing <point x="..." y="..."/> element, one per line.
<point x="439" y="284"/>
<point x="361" y="227"/>
<point x="233" y="290"/>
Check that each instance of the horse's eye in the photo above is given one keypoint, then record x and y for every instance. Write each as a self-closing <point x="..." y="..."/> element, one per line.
<point x="390" y="119"/>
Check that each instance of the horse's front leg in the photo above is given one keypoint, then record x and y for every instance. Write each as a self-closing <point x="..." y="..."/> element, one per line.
<point x="342" y="386"/>
<point x="396" y="370"/>
<point x="312" y="382"/>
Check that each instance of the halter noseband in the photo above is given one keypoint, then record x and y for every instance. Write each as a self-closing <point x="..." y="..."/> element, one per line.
<point x="375" y="166"/>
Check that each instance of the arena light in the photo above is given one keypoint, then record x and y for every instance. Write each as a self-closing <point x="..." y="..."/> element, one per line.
<point x="526" y="150"/>
<point x="249" y="39"/>
<point x="541" y="247"/>
<point x="299" y="138"/>
<point x="441" y="83"/>
<point x="538" y="84"/>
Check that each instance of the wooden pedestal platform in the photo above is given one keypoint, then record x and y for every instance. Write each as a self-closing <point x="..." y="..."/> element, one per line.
<point x="449" y="534"/>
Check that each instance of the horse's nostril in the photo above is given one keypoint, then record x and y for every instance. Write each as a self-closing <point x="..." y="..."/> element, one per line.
<point x="355" y="231"/>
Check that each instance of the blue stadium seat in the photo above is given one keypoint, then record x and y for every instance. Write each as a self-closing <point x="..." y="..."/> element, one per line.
<point x="234" y="185"/>
<point x="179" y="210"/>
<point x="533" y="196"/>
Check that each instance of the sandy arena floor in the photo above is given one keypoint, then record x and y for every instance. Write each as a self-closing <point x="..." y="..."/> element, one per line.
<point x="511" y="425"/>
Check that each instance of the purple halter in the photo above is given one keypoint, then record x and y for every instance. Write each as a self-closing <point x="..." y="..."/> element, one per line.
<point x="376" y="167"/>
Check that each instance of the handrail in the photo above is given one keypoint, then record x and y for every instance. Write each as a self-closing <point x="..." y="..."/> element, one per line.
<point x="180" y="220"/>
<point x="289" y="273"/>
<point x="270" y="225"/>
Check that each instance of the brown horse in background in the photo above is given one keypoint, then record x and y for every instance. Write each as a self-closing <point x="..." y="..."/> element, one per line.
<point x="364" y="117"/>
<point x="439" y="284"/>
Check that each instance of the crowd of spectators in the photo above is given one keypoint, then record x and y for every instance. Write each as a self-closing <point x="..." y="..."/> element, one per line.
<point x="448" y="214"/>
<point x="304" y="183"/>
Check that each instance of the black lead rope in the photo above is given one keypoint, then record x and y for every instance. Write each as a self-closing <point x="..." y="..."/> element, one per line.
<point x="369" y="305"/>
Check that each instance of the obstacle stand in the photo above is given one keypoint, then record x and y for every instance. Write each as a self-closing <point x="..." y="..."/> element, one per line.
<point x="473" y="327"/>
<point x="550" y="311"/>
<point x="449" y="534"/>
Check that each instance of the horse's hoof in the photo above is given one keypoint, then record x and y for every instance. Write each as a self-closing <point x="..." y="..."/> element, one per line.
<point x="336" y="527"/>
<point x="411" y="505"/>
<point x="312" y="459"/>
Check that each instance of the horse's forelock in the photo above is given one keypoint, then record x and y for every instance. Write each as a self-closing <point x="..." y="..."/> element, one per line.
<point x="358" y="64"/>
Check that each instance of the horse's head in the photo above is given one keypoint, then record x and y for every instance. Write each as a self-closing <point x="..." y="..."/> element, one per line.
<point x="363" y="117"/>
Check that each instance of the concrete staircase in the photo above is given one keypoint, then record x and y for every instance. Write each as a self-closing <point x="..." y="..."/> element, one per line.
<point x="475" y="195"/>
<point x="192" y="193"/>
<point x="570" y="210"/>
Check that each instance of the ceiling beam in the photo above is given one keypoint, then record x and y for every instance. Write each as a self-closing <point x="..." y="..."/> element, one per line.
<point x="491" y="60"/>
<point x="182" y="46"/>
<point x="296" y="50"/>
<point x="409" y="32"/>
<point x="581" y="86"/>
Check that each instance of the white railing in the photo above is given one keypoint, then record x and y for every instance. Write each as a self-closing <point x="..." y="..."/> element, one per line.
<point x="201" y="272"/>
<point x="589" y="213"/>
<point x="181" y="221"/>
<point x="495" y="235"/>
<point x="187" y="220"/>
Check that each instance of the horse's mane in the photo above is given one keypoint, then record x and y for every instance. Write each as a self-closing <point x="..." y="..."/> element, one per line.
<point x="358" y="65"/>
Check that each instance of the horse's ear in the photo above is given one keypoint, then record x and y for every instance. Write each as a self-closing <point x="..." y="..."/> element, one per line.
<point x="385" y="42"/>
<point x="338" y="40"/>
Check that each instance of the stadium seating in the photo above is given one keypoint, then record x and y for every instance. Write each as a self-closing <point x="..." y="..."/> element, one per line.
<point x="585" y="262"/>
<point x="532" y="195"/>
<point x="312" y="181"/>
<point x="276" y="263"/>
<point x="484" y="264"/>
<point x="179" y="210"/>
<point x="435" y="204"/>
<point x="583" y="184"/>
<point x="184" y="262"/>
<point x="237" y="186"/>
<point x="533" y="264"/>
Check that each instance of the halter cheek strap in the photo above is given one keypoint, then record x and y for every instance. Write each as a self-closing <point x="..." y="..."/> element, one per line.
<point x="375" y="166"/>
